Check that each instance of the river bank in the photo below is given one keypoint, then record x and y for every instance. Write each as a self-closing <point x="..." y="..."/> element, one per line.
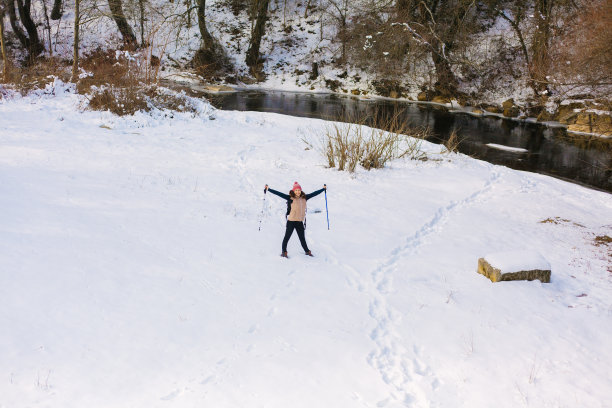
<point x="579" y="117"/>
<point x="584" y="159"/>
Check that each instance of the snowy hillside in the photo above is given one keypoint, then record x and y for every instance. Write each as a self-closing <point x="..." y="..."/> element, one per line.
<point x="297" y="35"/>
<point x="488" y="64"/>
<point x="133" y="273"/>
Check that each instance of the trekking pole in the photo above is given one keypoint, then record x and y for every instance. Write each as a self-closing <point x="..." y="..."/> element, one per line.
<point x="326" y="211"/>
<point x="263" y="207"/>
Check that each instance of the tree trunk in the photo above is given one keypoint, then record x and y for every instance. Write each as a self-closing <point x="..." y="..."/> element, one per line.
<point x="252" y="56"/>
<point x="307" y="8"/>
<point x="540" y="45"/>
<point x="29" y="42"/>
<point x="210" y="59"/>
<point x="3" y="49"/>
<point x="207" y="39"/>
<point x="23" y="39"/>
<point x="141" y="6"/>
<point x="44" y="2"/>
<point x="344" y="28"/>
<point x="116" y="7"/>
<point x="446" y="83"/>
<point x="237" y="6"/>
<point x="343" y="39"/>
<point x="56" y="13"/>
<point x="75" y="49"/>
<point x="35" y="47"/>
<point x="515" y="24"/>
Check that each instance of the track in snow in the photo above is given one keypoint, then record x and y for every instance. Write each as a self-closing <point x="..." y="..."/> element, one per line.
<point x="394" y="357"/>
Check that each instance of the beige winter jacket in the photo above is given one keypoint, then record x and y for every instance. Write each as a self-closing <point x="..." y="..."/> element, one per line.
<point x="298" y="205"/>
<point x="298" y="209"/>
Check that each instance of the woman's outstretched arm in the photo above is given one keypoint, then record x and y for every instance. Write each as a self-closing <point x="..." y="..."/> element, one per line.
<point x="278" y="193"/>
<point x="314" y="194"/>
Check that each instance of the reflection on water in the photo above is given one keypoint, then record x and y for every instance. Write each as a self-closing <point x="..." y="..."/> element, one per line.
<point x="551" y="151"/>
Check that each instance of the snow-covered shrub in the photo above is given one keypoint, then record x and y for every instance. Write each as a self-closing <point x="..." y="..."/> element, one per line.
<point x="163" y="98"/>
<point x="118" y="100"/>
<point x="113" y="82"/>
<point x="116" y="68"/>
<point x="129" y="100"/>
<point x="116" y="81"/>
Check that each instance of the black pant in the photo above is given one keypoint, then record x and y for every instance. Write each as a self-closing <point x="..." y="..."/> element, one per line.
<point x="299" y="227"/>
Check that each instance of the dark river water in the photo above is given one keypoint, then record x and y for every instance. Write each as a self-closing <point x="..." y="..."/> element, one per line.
<point x="552" y="151"/>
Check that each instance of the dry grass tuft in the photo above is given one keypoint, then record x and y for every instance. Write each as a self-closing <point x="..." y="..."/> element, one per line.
<point x="603" y="240"/>
<point x="559" y="220"/>
<point x="346" y="145"/>
<point x="556" y="220"/>
<point x="37" y="75"/>
<point x="452" y="143"/>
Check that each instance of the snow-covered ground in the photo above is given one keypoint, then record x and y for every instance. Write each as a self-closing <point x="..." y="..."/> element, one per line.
<point x="133" y="272"/>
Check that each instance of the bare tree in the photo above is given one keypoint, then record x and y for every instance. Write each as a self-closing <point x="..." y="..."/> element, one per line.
<point x="210" y="58"/>
<point x="515" y="14"/>
<point x="75" y="49"/>
<point x="47" y="25"/>
<point x="440" y="26"/>
<point x="29" y="41"/>
<point x="582" y="55"/>
<point x="56" y="12"/>
<point x="208" y="42"/>
<point x="338" y="10"/>
<point x="252" y="55"/>
<point x="2" y="46"/>
<point x="141" y="7"/>
<point x="116" y="7"/>
<point x="237" y="6"/>
<point x="539" y="66"/>
<point x="536" y="24"/>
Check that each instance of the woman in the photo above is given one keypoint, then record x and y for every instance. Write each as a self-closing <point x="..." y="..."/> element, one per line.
<point x="296" y="214"/>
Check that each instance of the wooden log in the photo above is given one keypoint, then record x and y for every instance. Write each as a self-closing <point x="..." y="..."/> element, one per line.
<point x="498" y="272"/>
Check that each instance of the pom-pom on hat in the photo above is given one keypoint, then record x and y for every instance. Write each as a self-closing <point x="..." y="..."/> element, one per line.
<point x="296" y="186"/>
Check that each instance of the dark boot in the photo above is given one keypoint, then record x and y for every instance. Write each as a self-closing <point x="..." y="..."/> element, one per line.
<point x="284" y="254"/>
<point x="309" y="253"/>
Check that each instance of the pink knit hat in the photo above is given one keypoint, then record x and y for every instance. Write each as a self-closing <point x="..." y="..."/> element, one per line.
<point x="296" y="185"/>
